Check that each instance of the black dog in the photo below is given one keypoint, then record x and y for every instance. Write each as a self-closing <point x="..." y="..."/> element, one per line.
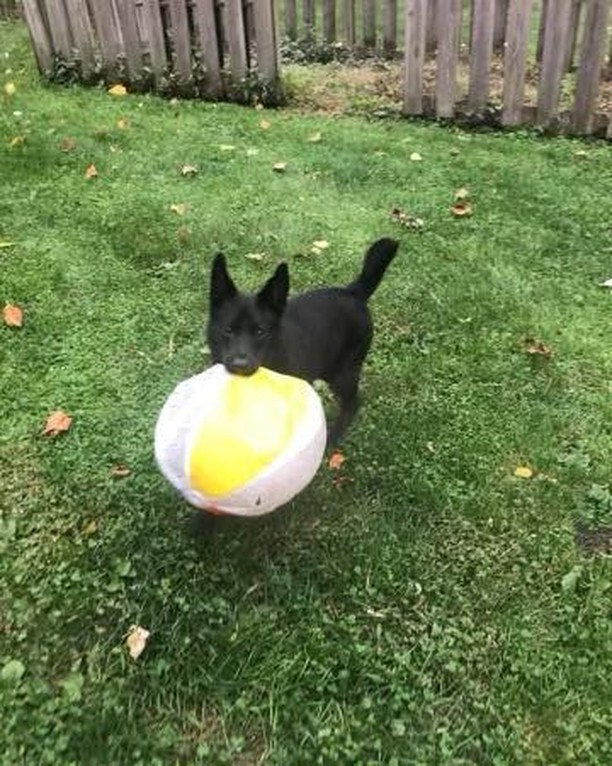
<point x="319" y="335"/>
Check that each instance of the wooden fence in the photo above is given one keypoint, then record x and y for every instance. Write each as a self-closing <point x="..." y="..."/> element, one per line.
<point x="460" y="57"/>
<point x="9" y="9"/>
<point x="206" y="48"/>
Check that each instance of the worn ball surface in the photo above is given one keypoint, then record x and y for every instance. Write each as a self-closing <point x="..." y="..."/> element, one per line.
<point x="240" y="445"/>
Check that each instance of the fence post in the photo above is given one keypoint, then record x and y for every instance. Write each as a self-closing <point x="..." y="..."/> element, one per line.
<point x="290" y="19"/>
<point x="59" y="28"/>
<point x="267" y="48"/>
<point x="369" y="23"/>
<point x="181" y="40"/>
<point x="480" y="54"/>
<point x="431" y="33"/>
<point x="237" y="41"/>
<point x="499" y="27"/>
<point x="155" y="35"/>
<point x="572" y="38"/>
<point x="329" y="20"/>
<point x="390" y="27"/>
<point x="309" y="17"/>
<point x="349" y="21"/>
<point x="591" y="62"/>
<point x="515" y="59"/>
<point x="208" y="40"/>
<point x="39" y="35"/>
<point x="414" y="55"/>
<point x="449" y="27"/>
<point x="129" y="29"/>
<point x="553" y="59"/>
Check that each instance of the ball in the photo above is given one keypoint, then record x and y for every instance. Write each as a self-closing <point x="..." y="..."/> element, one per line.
<point x="241" y="445"/>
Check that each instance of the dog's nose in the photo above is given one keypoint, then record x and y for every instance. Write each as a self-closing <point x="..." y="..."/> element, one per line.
<point x="241" y="365"/>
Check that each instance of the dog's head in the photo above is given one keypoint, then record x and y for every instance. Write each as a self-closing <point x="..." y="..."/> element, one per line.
<point x="242" y="327"/>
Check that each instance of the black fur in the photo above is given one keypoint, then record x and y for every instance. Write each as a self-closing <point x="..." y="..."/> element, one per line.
<point x="322" y="334"/>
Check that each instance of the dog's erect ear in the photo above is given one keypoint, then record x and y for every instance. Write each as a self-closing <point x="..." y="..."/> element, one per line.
<point x="221" y="286"/>
<point x="274" y="293"/>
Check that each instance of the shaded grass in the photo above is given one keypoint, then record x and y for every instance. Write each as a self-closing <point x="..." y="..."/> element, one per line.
<point x="417" y="614"/>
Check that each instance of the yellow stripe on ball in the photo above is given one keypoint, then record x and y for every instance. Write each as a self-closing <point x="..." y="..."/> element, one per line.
<point x="254" y="423"/>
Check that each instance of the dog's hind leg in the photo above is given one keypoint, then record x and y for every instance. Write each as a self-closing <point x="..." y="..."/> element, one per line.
<point x="345" y="389"/>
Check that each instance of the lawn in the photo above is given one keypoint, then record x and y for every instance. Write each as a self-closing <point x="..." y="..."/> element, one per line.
<point x="423" y="606"/>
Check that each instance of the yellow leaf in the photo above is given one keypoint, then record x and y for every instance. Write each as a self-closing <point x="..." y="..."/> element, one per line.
<point x="180" y="208"/>
<point x="122" y="123"/>
<point x="255" y="256"/>
<point x="462" y="194"/>
<point x="136" y="641"/>
<point x="265" y="125"/>
<point x="315" y="138"/>
<point x="415" y="157"/>
<point x="321" y="244"/>
<point x="90" y="528"/>
<point x="117" y="90"/>
<point x="523" y="472"/>
<point x="226" y="147"/>
<point x="10" y="89"/>
<point x="189" y="170"/>
<point x="5" y="243"/>
<point x="17" y="141"/>
<point x="279" y="167"/>
<point x="91" y="171"/>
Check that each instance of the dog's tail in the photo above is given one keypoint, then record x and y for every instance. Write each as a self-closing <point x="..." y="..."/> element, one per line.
<point x="377" y="258"/>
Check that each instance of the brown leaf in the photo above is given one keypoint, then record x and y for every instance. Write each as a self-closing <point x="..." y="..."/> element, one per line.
<point x="279" y="167"/>
<point x="536" y="348"/>
<point x="117" y="90"/>
<point x="17" y="141"/>
<point x="406" y="219"/>
<point x="12" y="315"/>
<point x="335" y="461"/>
<point x="462" y="194"/>
<point x="91" y="527"/>
<point x="120" y="471"/>
<point x="67" y="144"/>
<point x="462" y="209"/>
<point x="57" y="422"/>
<point x="180" y="208"/>
<point x="91" y="171"/>
<point x="123" y="123"/>
<point x="265" y="125"/>
<point x="189" y="170"/>
<point x="136" y="641"/>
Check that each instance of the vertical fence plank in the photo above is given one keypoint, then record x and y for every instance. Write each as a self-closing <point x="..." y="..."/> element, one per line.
<point x="449" y="27"/>
<point x="349" y="21"/>
<point x="499" y="26"/>
<point x="390" y="26"/>
<point x="290" y="19"/>
<point x="541" y="30"/>
<point x="480" y="54"/>
<point x="237" y="44"/>
<point x="59" y="27"/>
<point x="368" y="13"/>
<point x="329" y="20"/>
<point x="572" y="37"/>
<point x="431" y="33"/>
<point x="267" y="48"/>
<point x="109" y="35"/>
<point x="180" y="38"/>
<point x="131" y="38"/>
<point x="39" y="35"/>
<point x="414" y="55"/>
<point x="591" y="63"/>
<point x="208" y="41"/>
<point x="309" y="17"/>
<point x="152" y="23"/>
<point x="515" y="60"/>
<point x="553" y="59"/>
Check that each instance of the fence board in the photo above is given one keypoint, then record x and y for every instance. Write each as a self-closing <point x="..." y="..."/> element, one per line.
<point x="329" y="20"/>
<point x="39" y="36"/>
<point x="349" y="21"/>
<point x="108" y="33"/>
<point x="500" y="23"/>
<point x="449" y="27"/>
<point x="309" y="16"/>
<point x="480" y="54"/>
<point x="180" y="38"/>
<point x="369" y="23"/>
<point x="390" y="26"/>
<point x="265" y="31"/>
<point x="541" y="30"/>
<point x="591" y="63"/>
<point x="414" y="54"/>
<point x="59" y="27"/>
<point x="290" y="19"/>
<point x="431" y="33"/>
<point x="572" y="36"/>
<point x="152" y="23"/>
<point x="237" y="44"/>
<point x="206" y="36"/>
<point x="515" y="60"/>
<point x="131" y="38"/>
<point x="553" y="59"/>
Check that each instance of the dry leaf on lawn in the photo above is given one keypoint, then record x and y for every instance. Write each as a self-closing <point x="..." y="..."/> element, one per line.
<point x="91" y="171"/>
<point x="180" y="208"/>
<point x="314" y="138"/>
<point x="12" y="315"/>
<point x="605" y="283"/>
<point x="90" y="528"/>
<point x="189" y="170"/>
<point x="56" y="423"/>
<point x="536" y="348"/>
<point x="226" y="147"/>
<point x="523" y="472"/>
<point x="117" y="90"/>
<point x="415" y="157"/>
<point x="254" y="256"/>
<point x="120" y="471"/>
<point x="122" y="123"/>
<point x="136" y="641"/>
<point x="336" y="460"/>
<point x="462" y="209"/>
<point x="406" y="219"/>
<point x="265" y="124"/>
<point x="17" y="141"/>
<point x="462" y="194"/>
<point x="279" y="167"/>
<point x="6" y="244"/>
<point x="10" y="89"/>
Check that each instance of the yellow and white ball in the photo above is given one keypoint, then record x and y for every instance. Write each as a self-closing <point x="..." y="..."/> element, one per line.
<point x="240" y="445"/>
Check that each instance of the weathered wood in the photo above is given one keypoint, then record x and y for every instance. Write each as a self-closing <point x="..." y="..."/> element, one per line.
<point x="449" y="23"/>
<point x="267" y="48"/>
<point x="237" y="45"/>
<point x="515" y="61"/>
<point x="329" y="20"/>
<point x="39" y="36"/>
<point x="431" y="33"/>
<point x="553" y="59"/>
<point x="591" y="63"/>
<point x="309" y="17"/>
<point x="480" y="54"/>
<point x="368" y="12"/>
<point x="572" y="37"/>
<point x="249" y="22"/>
<point x="59" y="27"/>
<point x="609" y="130"/>
<point x="154" y="31"/>
<point x="131" y="38"/>
<point x="291" y="19"/>
<point x="180" y="39"/>
<point x="349" y="21"/>
<point x="499" y="25"/>
<point x="414" y="55"/>
<point x="108" y="33"/>
<point x="390" y="27"/>
<point x="541" y="30"/>
<point x="208" y="42"/>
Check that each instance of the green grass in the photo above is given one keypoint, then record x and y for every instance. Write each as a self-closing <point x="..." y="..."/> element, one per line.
<point x="433" y="610"/>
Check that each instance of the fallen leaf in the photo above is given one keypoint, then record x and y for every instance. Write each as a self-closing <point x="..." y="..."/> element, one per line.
<point x="91" y="171"/>
<point x="90" y="528"/>
<point x="226" y="147"/>
<point x="17" y="141"/>
<point x="335" y="461"/>
<point x="415" y="157"/>
<point x="57" y="422"/>
<point x="6" y="243"/>
<point x="120" y="471"/>
<point x="189" y="170"/>
<point x="536" y="348"/>
<point x="321" y="244"/>
<point x="523" y="472"/>
<point x="581" y="154"/>
<point x="462" y="194"/>
<point x="462" y="209"/>
<point x="180" y="208"/>
<point x="10" y="89"/>
<point x="123" y="123"/>
<point x="265" y="125"/>
<point x="431" y="447"/>
<point x="406" y="219"/>
<point x="117" y="90"/>
<point x="254" y="256"/>
<point x="315" y="138"/>
<point x="67" y="144"/>
<point x="259" y="106"/>
<point x="605" y="283"/>
<point x="136" y="641"/>
<point x="252" y="151"/>
<point x="12" y="315"/>
<point x="279" y="167"/>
